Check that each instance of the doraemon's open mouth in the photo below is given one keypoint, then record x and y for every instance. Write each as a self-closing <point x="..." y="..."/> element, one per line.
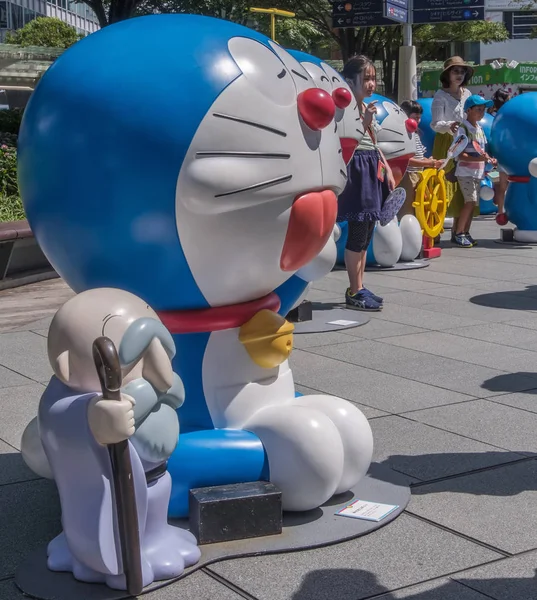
<point x="348" y="145"/>
<point x="398" y="166"/>
<point x="312" y="220"/>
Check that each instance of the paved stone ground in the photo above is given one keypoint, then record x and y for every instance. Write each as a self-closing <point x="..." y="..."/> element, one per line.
<point x="447" y="374"/>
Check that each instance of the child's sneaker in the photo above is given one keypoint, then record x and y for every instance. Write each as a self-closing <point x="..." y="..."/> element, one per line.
<point x="461" y="240"/>
<point x="469" y="237"/>
<point x="361" y="301"/>
<point x="374" y="296"/>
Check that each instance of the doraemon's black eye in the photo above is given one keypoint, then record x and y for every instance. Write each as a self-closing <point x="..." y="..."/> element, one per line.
<point x="299" y="74"/>
<point x="324" y="78"/>
<point x="282" y="74"/>
<point x="335" y="79"/>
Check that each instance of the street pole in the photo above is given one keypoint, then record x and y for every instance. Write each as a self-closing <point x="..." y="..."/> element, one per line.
<point x="273" y="12"/>
<point x="407" y="88"/>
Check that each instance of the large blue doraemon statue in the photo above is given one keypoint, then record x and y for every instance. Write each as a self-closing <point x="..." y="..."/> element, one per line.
<point x="200" y="171"/>
<point x="514" y="144"/>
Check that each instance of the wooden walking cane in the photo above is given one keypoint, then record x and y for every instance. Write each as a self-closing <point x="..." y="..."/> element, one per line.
<point x="109" y="370"/>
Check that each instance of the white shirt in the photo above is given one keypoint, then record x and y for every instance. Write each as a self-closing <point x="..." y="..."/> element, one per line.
<point x="468" y="168"/>
<point x="420" y="153"/>
<point x="447" y="110"/>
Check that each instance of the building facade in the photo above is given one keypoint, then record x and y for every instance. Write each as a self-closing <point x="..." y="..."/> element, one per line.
<point x="14" y="14"/>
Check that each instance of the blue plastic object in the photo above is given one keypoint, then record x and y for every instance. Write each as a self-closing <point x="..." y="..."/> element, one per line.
<point x="514" y="144"/>
<point x="214" y="457"/>
<point x="426" y="133"/>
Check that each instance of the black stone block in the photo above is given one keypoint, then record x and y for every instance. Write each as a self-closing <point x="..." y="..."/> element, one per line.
<point x="235" y="512"/>
<point x="303" y="312"/>
<point x="507" y="235"/>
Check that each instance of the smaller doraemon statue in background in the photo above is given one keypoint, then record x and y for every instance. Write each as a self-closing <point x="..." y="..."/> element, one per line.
<point x="350" y="131"/>
<point x="514" y="144"/>
<point x="68" y="441"/>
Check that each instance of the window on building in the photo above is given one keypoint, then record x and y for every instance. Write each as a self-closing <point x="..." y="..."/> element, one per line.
<point x="17" y="18"/>
<point x="3" y="14"/>
<point x="520" y="24"/>
<point x="29" y="15"/>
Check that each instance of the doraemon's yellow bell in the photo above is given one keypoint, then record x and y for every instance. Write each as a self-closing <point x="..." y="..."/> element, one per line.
<point x="268" y="338"/>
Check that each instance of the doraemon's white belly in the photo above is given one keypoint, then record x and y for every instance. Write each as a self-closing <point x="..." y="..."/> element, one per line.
<point x="235" y="387"/>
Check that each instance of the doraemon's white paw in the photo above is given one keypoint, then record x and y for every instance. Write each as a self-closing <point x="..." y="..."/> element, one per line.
<point x="305" y="453"/>
<point x="355" y="432"/>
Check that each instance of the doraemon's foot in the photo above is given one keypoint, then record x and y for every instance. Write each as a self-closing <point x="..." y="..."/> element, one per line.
<point x="305" y="453"/>
<point x="355" y="433"/>
<point x="525" y="236"/>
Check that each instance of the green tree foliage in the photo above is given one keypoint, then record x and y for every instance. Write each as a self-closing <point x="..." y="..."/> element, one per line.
<point x="44" y="31"/>
<point x="430" y="38"/>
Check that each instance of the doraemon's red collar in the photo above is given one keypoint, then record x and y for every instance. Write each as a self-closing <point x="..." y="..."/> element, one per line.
<point x="518" y="178"/>
<point x="216" y="319"/>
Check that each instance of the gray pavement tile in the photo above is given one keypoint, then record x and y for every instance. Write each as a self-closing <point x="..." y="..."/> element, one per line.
<point x="366" y="386"/>
<point x="428" y="453"/>
<point x="310" y="340"/>
<point x="526" y="400"/>
<point x="198" y="586"/>
<point x="41" y="332"/>
<point x="482" y="307"/>
<point x="499" y="333"/>
<point x="496" y="506"/>
<point x="527" y="258"/>
<point x="488" y="422"/>
<point x="9" y="378"/>
<point x="484" y="269"/>
<point x="427" y="319"/>
<point x="370" y="413"/>
<point x="26" y="353"/>
<point x="436" y="279"/>
<point x="9" y="591"/>
<point x="30" y="518"/>
<point x="419" y="366"/>
<point x="43" y="323"/>
<point x="440" y="589"/>
<point x="411" y="281"/>
<point x="12" y="467"/>
<point x="359" y="568"/>
<point x="510" y="579"/>
<point x="524" y="320"/>
<point x="18" y="406"/>
<point x="466" y="349"/>
<point x="378" y="328"/>
<point x="332" y="286"/>
<point x="320" y="295"/>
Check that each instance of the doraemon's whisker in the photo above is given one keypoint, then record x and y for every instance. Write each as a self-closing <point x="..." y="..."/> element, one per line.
<point x="258" y="186"/>
<point x="393" y="131"/>
<point x="343" y="173"/>
<point x="393" y="141"/>
<point x="251" y="123"/>
<point x="340" y="151"/>
<point x="233" y="154"/>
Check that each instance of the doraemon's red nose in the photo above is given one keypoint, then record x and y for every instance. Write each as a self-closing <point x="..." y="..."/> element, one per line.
<point x="411" y="125"/>
<point x="316" y="108"/>
<point x="342" y="97"/>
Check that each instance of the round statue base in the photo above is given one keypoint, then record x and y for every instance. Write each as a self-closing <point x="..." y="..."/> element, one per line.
<point x="419" y="263"/>
<point x="313" y="529"/>
<point x="330" y="317"/>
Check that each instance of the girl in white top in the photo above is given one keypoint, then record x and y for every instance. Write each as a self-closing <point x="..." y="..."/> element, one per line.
<point x="447" y="115"/>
